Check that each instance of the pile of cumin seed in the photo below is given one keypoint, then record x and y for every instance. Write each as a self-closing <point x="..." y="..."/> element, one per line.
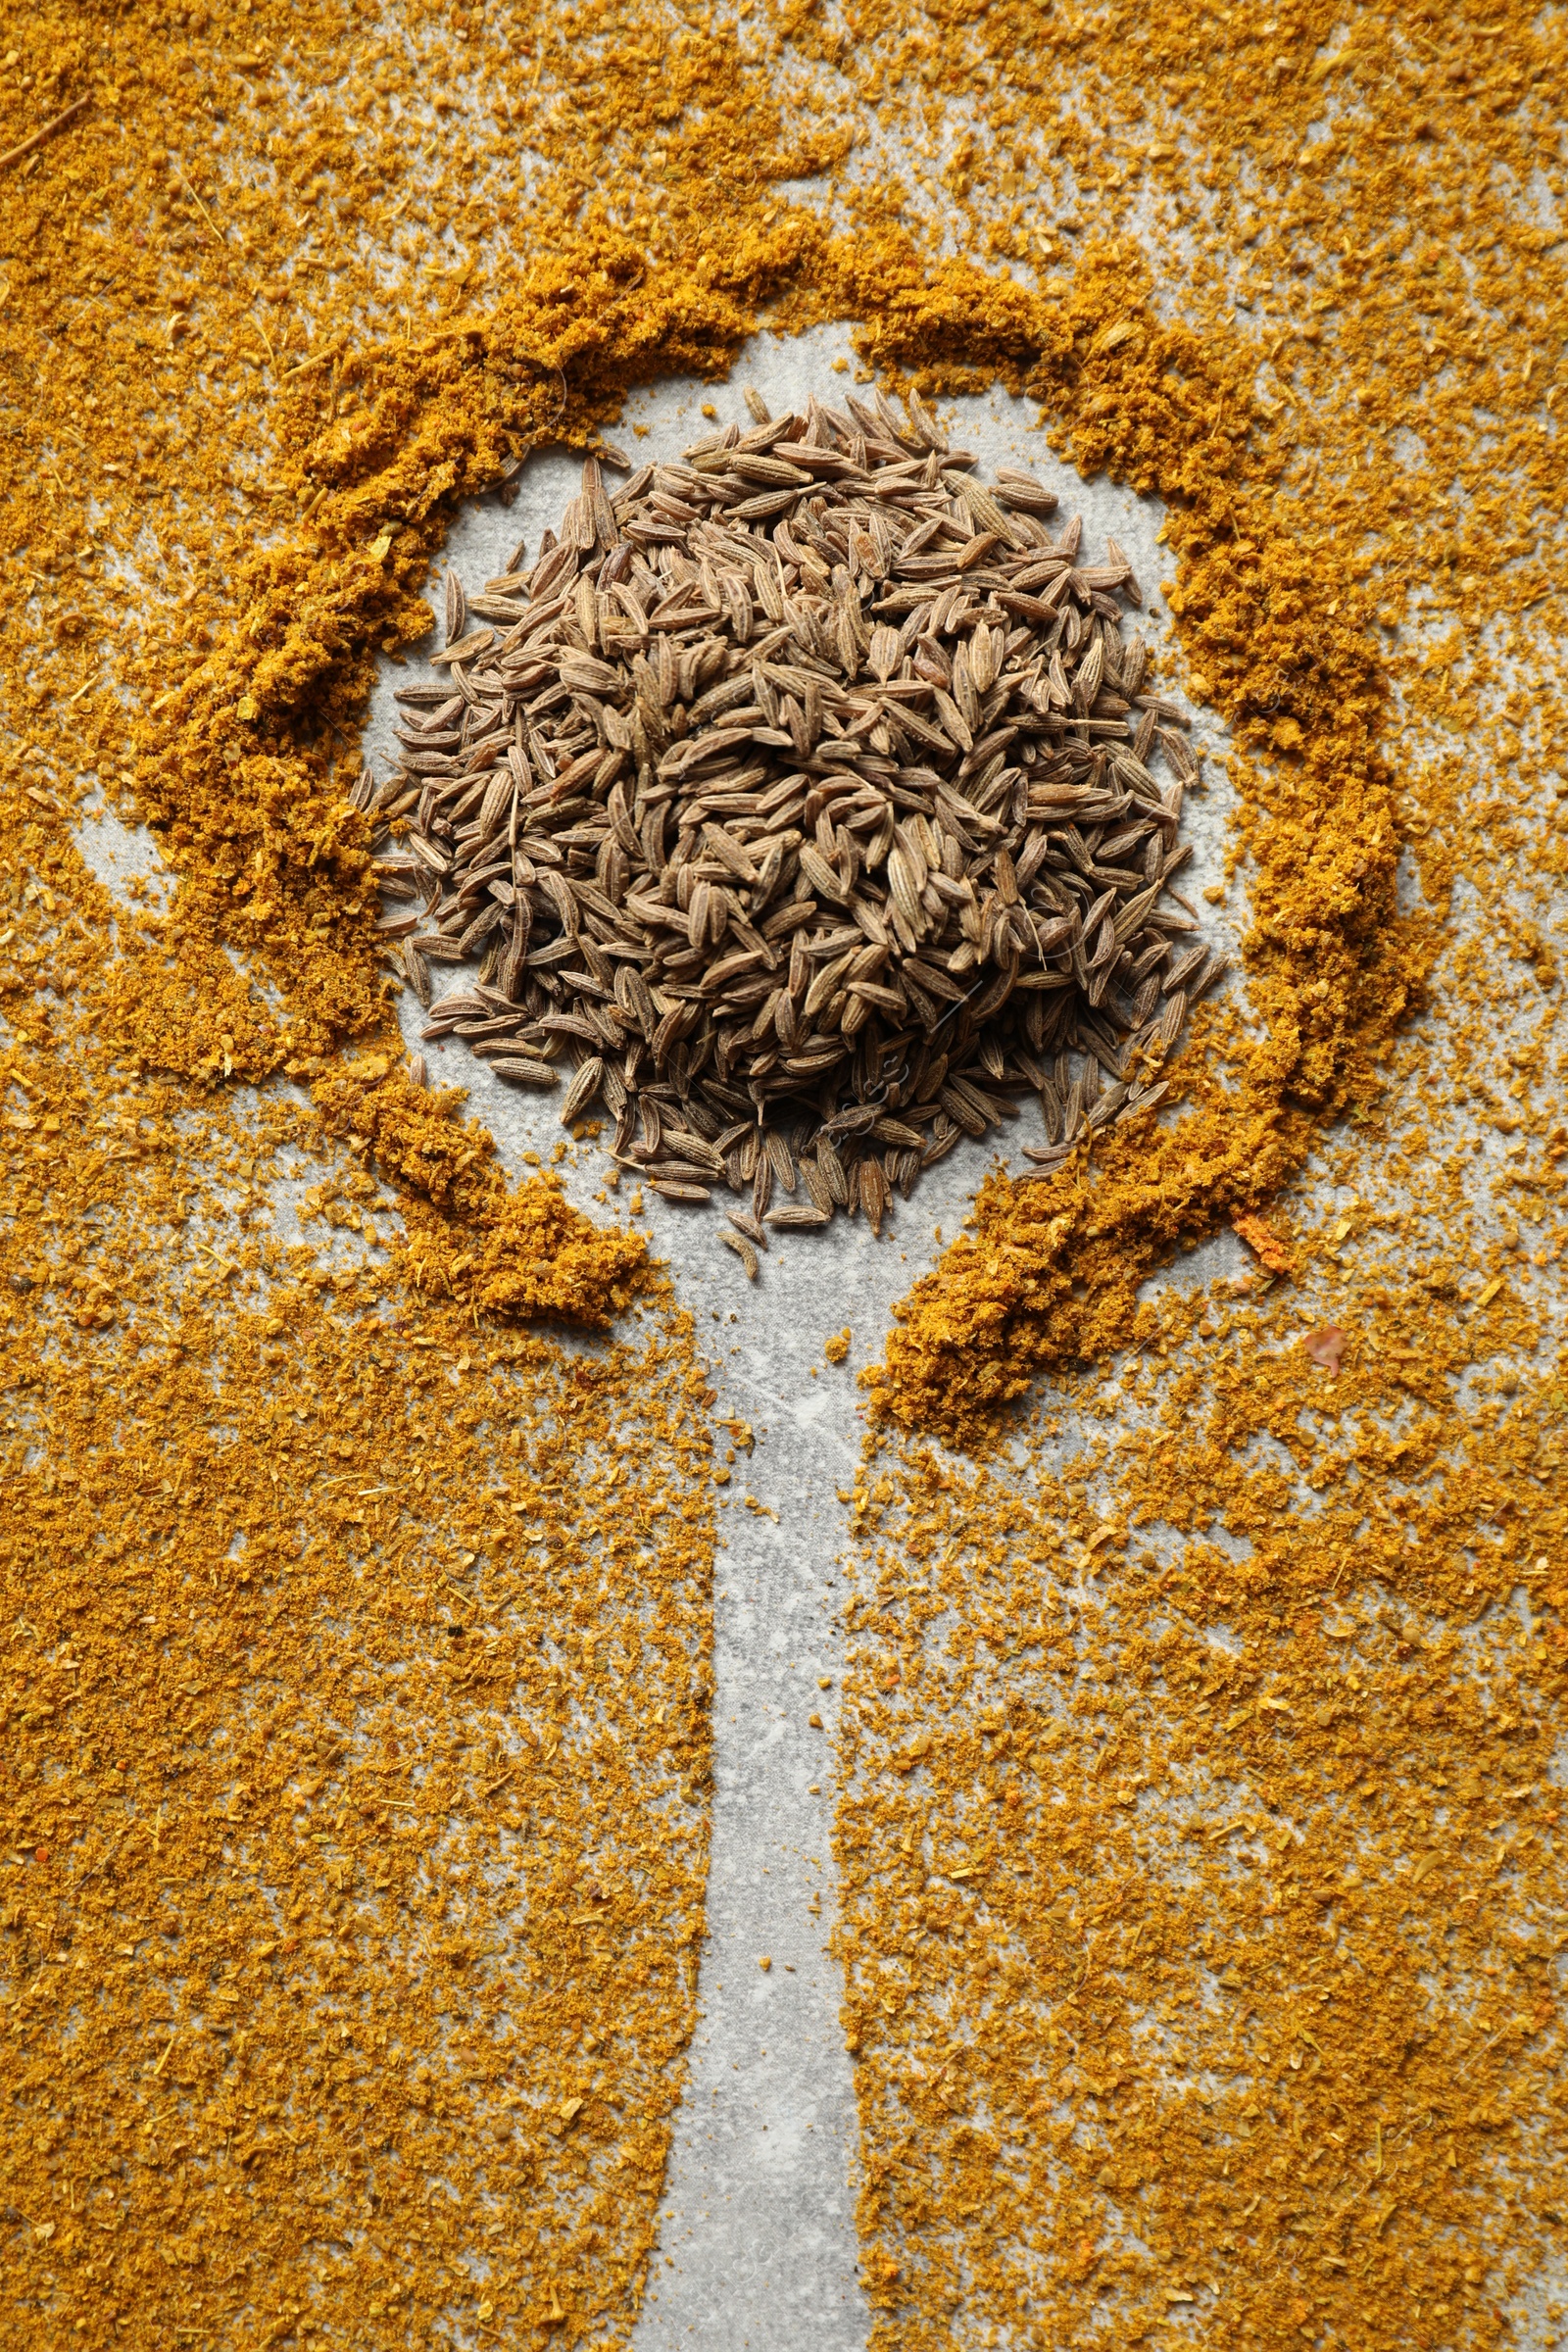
<point x="799" y="797"/>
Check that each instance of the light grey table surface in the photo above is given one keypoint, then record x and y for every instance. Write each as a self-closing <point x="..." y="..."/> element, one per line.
<point x="758" y="2244"/>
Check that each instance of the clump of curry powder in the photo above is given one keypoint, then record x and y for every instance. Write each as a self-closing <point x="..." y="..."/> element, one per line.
<point x="508" y="1255"/>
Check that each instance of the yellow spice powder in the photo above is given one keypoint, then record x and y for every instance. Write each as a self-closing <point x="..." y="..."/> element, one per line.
<point x="1355" y="432"/>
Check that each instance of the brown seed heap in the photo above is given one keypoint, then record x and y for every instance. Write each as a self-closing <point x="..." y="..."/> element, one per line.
<point x="800" y="796"/>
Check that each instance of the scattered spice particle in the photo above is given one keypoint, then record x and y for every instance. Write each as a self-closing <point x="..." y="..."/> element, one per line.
<point x="1325" y="1346"/>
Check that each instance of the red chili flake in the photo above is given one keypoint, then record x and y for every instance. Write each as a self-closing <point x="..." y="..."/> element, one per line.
<point x="1260" y="1237"/>
<point x="1326" y="1346"/>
